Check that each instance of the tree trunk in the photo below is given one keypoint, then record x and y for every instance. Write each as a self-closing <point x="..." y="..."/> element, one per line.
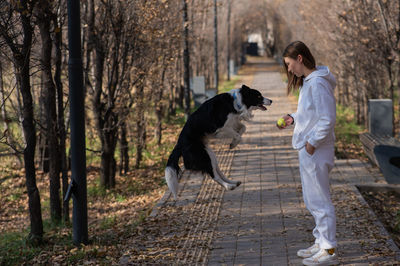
<point x="6" y="120"/>
<point x="186" y="59"/>
<point x="180" y="90"/>
<point x="228" y="57"/>
<point x="60" y="115"/>
<point x="105" y="171"/>
<point x="391" y="92"/>
<point x="398" y="87"/>
<point x="22" y="61"/>
<point x="99" y="107"/>
<point x="3" y="104"/>
<point x="159" y="108"/>
<point x="398" y="63"/>
<point x="51" y="114"/>
<point x="140" y="126"/>
<point x="216" y="70"/>
<point x="108" y="163"/>
<point x="43" y="145"/>
<point x="172" y="103"/>
<point x="124" y="150"/>
<point x="105" y="122"/>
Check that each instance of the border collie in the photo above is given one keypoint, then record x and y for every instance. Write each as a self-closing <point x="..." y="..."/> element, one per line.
<point x="216" y="117"/>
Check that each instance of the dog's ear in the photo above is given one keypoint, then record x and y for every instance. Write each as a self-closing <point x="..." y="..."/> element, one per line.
<point x="244" y="87"/>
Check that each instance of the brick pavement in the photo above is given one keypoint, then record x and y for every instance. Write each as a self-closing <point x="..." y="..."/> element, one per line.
<point x="264" y="221"/>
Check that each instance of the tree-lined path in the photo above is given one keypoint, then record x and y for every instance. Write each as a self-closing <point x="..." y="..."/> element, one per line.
<point x="140" y="59"/>
<point x="264" y="221"/>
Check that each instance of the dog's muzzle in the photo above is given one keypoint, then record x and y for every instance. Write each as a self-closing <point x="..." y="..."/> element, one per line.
<point x="267" y="102"/>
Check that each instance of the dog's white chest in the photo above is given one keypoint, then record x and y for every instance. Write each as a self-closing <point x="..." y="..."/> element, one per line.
<point x="232" y="125"/>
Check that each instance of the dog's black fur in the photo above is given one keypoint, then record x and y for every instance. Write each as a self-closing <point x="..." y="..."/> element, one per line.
<point x="218" y="115"/>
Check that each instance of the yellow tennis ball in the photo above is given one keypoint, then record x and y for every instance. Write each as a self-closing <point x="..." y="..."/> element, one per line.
<point x="281" y="122"/>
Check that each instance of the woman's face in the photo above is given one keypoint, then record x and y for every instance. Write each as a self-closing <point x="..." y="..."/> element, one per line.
<point x="295" y="66"/>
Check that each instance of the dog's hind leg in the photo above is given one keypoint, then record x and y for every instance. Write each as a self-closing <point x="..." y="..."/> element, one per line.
<point x="237" y="183"/>
<point x="223" y="177"/>
<point x="218" y="175"/>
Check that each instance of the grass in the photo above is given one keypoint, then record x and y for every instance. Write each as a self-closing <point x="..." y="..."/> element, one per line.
<point x="119" y="198"/>
<point x="347" y="131"/>
<point x="76" y="256"/>
<point x="108" y="222"/>
<point x="346" y="127"/>
<point x="228" y="85"/>
<point x="16" y="195"/>
<point x="14" y="248"/>
<point x="94" y="190"/>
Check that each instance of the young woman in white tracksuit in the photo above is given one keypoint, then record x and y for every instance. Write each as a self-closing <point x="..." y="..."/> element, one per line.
<point x="314" y="138"/>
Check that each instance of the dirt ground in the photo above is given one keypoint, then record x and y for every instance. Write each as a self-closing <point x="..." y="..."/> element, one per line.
<point x="386" y="206"/>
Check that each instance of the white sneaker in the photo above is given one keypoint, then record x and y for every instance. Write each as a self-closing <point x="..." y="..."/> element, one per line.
<point x="308" y="252"/>
<point x="322" y="257"/>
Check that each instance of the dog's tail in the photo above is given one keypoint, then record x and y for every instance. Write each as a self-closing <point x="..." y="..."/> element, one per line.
<point x="172" y="171"/>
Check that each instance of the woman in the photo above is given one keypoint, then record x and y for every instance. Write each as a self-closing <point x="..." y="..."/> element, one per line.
<point x="314" y="138"/>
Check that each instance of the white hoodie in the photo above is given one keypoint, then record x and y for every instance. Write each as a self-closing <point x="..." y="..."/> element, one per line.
<point x="316" y="111"/>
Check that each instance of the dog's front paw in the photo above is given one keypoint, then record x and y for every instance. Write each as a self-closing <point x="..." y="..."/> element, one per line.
<point x="234" y="143"/>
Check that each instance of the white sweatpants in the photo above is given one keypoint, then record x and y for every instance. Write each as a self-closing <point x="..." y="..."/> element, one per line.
<point x="314" y="172"/>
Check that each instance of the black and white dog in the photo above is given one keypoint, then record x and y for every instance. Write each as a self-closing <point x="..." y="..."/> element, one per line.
<point x="218" y="116"/>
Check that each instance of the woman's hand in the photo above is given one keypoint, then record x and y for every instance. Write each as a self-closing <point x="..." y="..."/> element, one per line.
<point x="310" y="148"/>
<point x="288" y="121"/>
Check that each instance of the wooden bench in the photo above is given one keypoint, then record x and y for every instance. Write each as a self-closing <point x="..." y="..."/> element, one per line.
<point x="370" y="141"/>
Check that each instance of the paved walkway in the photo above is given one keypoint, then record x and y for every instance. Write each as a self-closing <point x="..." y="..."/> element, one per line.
<point x="264" y="221"/>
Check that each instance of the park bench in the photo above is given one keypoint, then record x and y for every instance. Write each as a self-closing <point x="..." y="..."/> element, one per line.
<point x="379" y="145"/>
<point x="385" y="153"/>
<point x="370" y="141"/>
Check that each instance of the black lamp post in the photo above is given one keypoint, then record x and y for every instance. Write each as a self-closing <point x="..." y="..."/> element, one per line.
<point x="78" y="157"/>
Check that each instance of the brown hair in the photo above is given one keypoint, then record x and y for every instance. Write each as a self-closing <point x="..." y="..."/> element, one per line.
<point x="293" y="50"/>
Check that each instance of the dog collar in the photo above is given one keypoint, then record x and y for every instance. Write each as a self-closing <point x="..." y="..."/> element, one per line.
<point x="235" y="102"/>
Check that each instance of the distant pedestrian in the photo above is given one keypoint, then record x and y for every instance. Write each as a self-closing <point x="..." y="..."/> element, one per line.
<point x="314" y="138"/>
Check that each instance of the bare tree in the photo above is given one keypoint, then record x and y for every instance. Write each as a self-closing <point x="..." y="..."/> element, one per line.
<point x="8" y="137"/>
<point x="44" y="17"/>
<point x="114" y="38"/>
<point x="58" y="22"/>
<point x="15" y="18"/>
<point x="228" y="57"/>
<point x="216" y="59"/>
<point x="186" y="58"/>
